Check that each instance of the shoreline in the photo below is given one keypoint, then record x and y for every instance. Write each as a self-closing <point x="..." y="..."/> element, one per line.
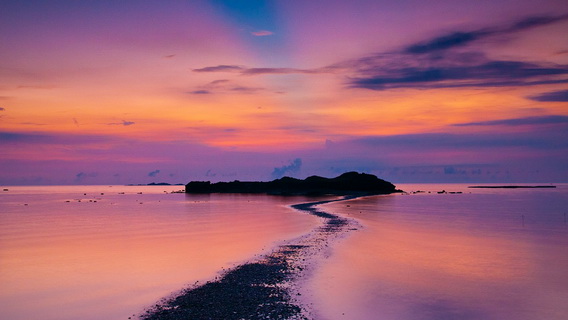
<point x="513" y="187"/>
<point x="265" y="287"/>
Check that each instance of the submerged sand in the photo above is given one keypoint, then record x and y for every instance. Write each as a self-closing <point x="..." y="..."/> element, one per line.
<point x="265" y="288"/>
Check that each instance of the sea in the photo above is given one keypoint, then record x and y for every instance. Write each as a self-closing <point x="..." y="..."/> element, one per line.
<point x="435" y="252"/>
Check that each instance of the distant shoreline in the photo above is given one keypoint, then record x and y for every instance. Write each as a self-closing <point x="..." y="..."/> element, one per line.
<point x="511" y="187"/>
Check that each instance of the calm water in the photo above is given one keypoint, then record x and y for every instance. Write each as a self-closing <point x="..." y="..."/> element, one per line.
<point x="483" y="254"/>
<point x="100" y="252"/>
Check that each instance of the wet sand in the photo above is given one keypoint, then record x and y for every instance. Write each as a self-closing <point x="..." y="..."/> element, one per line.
<point x="266" y="288"/>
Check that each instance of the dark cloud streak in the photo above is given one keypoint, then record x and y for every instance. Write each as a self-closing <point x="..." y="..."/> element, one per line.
<point x="487" y="74"/>
<point x="51" y="138"/>
<point x="292" y="168"/>
<point x="123" y="123"/>
<point x="220" y="68"/>
<point x="447" y="62"/>
<point x="200" y="92"/>
<point x="453" y="141"/>
<point x="555" y="96"/>
<point x="456" y="39"/>
<point x="243" y="89"/>
<point x="225" y="86"/>
<point x="462" y="38"/>
<point x="535" y="21"/>
<point x="261" y="71"/>
<point x="543" y="120"/>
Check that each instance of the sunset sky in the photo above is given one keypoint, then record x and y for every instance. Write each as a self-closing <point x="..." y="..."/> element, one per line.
<point x="119" y="92"/>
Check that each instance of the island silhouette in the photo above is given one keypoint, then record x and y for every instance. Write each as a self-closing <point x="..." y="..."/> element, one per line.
<point x="349" y="183"/>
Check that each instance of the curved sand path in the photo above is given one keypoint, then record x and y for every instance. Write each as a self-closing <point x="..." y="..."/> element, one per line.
<point x="266" y="288"/>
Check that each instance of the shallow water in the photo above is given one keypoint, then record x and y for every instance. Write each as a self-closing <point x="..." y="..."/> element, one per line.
<point x="482" y="254"/>
<point x="100" y="252"/>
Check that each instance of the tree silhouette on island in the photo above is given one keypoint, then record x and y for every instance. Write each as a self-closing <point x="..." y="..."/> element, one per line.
<point x="349" y="183"/>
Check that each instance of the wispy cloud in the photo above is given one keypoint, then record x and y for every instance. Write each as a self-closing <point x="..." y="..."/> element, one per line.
<point x="474" y="142"/>
<point x="262" y="71"/>
<point x="445" y="61"/>
<point x="542" y="120"/>
<point x="51" y="138"/>
<point x="555" y="96"/>
<point x="448" y="61"/>
<point x="123" y="123"/>
<point x="44" y="87"/>
<point x="220" y="68"/>
<point x="292" y="168"/>
<point x="199" y="92"/>
<point x="259" y="71"/>
<point x="535" y="21"/>
<point x="225" y="86"/>
<point x="262" y="33"/>
<point x="153" y="173"/>
<point x="454" y="72"/>
<point x="33" y="123"/>
<point x="243" y="89"/>
<point x="456" y="39"/>
<point x="218" y="82"/>
<point x="81" y="176"/>
<point x="462" y="38"/>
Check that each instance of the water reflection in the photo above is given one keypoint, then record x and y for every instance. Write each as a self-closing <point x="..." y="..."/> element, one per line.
<point x="448" y="257"/>
<point x="111" y="258"/>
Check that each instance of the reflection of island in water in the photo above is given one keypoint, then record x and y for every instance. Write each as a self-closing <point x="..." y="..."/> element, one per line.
<point x="511" y="187"/>
<point x="347" y="183"/>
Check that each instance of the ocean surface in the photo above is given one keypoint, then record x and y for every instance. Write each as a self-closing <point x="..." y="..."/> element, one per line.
<point x="100" y="252"/>
<point x="482" y="254"/>
<point x="109" y="252"/>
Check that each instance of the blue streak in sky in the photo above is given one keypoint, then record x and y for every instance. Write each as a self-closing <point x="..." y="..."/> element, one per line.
<point x="254" y="14"/>
<point x="258" y="22"/>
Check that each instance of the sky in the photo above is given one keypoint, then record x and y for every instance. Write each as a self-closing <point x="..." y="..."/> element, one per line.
<point x="133" y="92"/>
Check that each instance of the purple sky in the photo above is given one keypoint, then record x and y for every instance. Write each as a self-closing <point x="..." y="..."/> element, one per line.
<point x="119" y="92"/>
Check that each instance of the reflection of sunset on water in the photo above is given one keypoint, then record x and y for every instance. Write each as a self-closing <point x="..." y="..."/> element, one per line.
<point x="456" y="256"/>
<point x="125" y="251"/>
<point x="436" y="252"/>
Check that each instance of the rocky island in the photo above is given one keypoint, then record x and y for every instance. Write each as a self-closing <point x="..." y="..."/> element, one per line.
<point x="349" y="183"/>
